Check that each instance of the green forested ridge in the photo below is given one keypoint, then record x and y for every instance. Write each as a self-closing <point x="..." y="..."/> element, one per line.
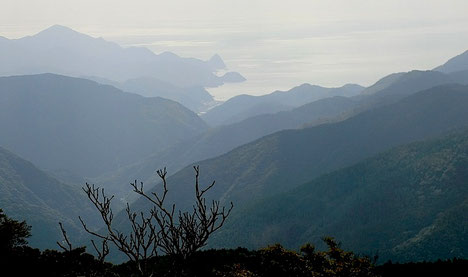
<point x="407" y="204"/>
<point x="220" y="140"/>
<point x="27" y="193"/>
<point x="76" y="125"/>
<point x="286" y="159"/>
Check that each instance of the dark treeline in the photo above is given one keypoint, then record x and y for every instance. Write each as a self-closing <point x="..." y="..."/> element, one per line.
<point x="453" y="267"/>
<point x="19" y="259"/>
<point x="270" y="261"/>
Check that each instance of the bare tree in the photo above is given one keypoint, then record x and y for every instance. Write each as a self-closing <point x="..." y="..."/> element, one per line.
<point x="179" y="233"/>
<point x="97" y="269"/>
<point x="139" y="245"/>
<point x="101" y="251"/>
<point x="184" y="233"/>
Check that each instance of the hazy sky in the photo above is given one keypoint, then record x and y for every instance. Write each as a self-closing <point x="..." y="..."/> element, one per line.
<point x="274" y="44"/>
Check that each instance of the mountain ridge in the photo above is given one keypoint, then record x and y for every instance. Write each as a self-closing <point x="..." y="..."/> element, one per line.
<point x="283" y="160"/>
<point x="243" y="106"/>
<point x="397" y="203"/>
<point x="457" y="63"/>
<point x="61" y="50"/>
<point x="101" y="127"/>
<point x="27" y="193"/>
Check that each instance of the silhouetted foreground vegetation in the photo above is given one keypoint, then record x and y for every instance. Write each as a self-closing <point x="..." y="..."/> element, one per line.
<point x="453" y="267"/>
<point x="18" y="259"/>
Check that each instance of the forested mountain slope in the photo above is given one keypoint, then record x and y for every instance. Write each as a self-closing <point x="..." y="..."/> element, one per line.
<point x="27" y="193"/>
<point x="407" y="204"/>
<point x="284" y="160"/>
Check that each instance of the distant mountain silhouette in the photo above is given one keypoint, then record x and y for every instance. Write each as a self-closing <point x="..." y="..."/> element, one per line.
<point x="241" y="107"/>
<point x="383" y="83"/>
<point x="394" y="87"/>
<point x="196" y="99"/>
<point x="458" y="63"/>
<point x="407" y="204"/>
<point x="80" y="126"/>
<point x="61" y="50"/>
<point x="390" y="88"/>
<point x="451" y="68"/>
<point x="397" y="85"/>
<point x="233" y="77"/>
<point x="216" y="62"/>
<point x="27" y="193"/>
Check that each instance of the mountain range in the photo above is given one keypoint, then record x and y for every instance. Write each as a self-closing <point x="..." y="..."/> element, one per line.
<point x="284" y="160"/>
<point x="63" y="123"/>
<point x="195" y="98"/>
<point x="27" y="193"/>
<point x="62" y="50"/>
<point x="407" y="204"/>
<point x="386" y="90"/>
<point x="242" y="107"/>
<point x="457" y="63"/>
<point x="222" y="139"/>
<point x="381" y="168"/>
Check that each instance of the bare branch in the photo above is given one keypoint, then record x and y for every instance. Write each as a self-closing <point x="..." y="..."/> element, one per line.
<point x="163" y="229"/>
<point x="103" y="251"/>
<point x="68" y="247"/>
<point x="139" y="245"/>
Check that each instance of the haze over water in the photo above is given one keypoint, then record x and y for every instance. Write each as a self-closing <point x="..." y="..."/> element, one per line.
<point x="274" y="45"/>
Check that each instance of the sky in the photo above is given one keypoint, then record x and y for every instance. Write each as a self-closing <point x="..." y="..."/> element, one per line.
<point x="276" y="45"/>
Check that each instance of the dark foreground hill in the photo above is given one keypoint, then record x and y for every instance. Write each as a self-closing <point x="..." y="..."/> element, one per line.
<point x="408" y="204"/>
<point x="80" y="126"/>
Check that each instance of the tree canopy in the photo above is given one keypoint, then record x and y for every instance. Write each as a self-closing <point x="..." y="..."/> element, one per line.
<point x="13" y="233"/>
